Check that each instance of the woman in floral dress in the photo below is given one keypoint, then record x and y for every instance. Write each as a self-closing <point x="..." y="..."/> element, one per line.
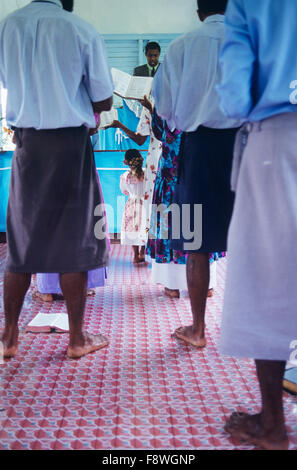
<point x="169" y="266"/>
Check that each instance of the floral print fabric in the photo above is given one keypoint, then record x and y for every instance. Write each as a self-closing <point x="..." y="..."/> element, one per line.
<point x="158" y="246"/>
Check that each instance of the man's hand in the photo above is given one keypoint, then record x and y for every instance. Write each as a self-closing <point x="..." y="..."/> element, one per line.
<point x="147" y="104"/>
<point x="115" y="124"/>
<point x="93" y="131"/>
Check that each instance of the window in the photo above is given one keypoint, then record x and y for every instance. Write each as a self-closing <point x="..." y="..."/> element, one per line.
<point x="125" y="51"/>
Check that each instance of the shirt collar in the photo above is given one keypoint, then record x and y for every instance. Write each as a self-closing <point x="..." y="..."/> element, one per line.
<point x="56" y="2"/>
<point x="214" y="19"/>
<point x="151" y="68"/>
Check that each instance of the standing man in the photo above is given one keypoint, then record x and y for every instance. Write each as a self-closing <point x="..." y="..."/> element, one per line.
<point x="55" y="69"/>
<point x="186" y="97"/>
<point x="152" y="53"/>
<point x="259" y="317"/>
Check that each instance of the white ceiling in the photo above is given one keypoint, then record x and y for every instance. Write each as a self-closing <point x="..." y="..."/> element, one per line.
<point x="129" y="16"/>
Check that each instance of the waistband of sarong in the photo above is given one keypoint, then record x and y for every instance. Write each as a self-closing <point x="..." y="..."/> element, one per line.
<point x="20" y="132"/>
<point x="285" y="121"/>
<point x="32" y="129"/>
<point x="212" y="131"/>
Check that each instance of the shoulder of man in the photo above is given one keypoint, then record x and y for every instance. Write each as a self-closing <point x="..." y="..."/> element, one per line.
<point x="141" y="71"/>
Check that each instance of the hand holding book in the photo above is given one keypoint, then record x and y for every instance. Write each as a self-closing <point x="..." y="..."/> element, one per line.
<point x="146" y="103"/>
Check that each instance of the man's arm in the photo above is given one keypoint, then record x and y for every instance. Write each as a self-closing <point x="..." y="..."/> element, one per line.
<point x="97" y="78"/>
<point x="104" y="105"/>
<point x="167" y="84"/>
<point x="237" y="61"/>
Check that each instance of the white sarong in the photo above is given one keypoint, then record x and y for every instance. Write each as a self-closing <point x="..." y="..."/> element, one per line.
<point x="260" y="307"/>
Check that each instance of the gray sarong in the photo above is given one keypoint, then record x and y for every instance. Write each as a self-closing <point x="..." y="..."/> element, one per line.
<point x="53" y="194"/>
<point x="260" y="306"/>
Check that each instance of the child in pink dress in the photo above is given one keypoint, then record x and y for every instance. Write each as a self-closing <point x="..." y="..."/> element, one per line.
<point x="133" y="232"/>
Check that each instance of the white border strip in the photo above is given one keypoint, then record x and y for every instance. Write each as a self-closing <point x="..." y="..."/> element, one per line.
<point x="117" y="169"/>
<point x="110" y="169"/>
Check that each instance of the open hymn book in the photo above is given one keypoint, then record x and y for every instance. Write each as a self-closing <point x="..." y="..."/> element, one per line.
<point x="107" y="117"/>
<point x="47" y="322"/>
<point x="131" y="88"/>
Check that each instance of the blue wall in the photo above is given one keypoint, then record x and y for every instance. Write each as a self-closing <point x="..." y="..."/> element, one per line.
<point x="5" y="165"/>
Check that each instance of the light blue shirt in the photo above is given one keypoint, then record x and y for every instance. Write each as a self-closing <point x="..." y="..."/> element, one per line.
<point x="184" y="88"/>
<point x="259" y="59"/>
<point x="53" y="65"/>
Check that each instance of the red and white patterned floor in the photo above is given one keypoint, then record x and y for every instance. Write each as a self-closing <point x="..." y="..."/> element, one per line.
<point x="145" y="391"/>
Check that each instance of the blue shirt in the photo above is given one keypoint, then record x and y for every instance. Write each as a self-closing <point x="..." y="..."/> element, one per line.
<point x="53" y="65"/>
<point x="259" y="59"/>
<point x="184" y="88"/>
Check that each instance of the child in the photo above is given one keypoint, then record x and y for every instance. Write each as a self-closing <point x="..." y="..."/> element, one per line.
<point x="133" y="231"/>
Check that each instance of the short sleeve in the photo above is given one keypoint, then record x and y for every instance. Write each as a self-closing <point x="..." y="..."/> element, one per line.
<point x="123" y="185"/>
<point x="145" y="123"/>
<point x="167" y="84"/>
<point x="237" y="61"/>
<point x="98" y="79"/>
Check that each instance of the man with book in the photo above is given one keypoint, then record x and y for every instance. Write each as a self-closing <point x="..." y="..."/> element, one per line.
<point x="185" y="96"/>
<point x="152" y="53"/>
<point x="57" y="77"/>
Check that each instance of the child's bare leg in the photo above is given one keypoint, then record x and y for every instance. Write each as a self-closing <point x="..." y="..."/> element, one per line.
<point x="136" y="254"/>
<point x="142" y="254"/>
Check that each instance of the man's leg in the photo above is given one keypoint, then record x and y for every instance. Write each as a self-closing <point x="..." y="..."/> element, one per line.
<point x="198" y="282"/>
<point x="16" y="286"/>
<point x="266" y="429"/>
<point x="74" y="288"/>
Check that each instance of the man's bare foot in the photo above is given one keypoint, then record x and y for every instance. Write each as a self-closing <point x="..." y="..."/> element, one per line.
<point x="189" y="336"/>
<point x="210" y="293"/>
<point x="251" y="428"/>
<point x="91" y="292"/>
<point x="91" y="343"/>
<point x="43" y="297"/>
<point x="10" y="344"/>
<point x="173" y="293"/>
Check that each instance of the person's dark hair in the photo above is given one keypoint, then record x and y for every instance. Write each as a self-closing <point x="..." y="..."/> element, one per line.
<point x="134" y="160"/>
<point x="152" y="45"/>
<point x="68" y="5"/>
<point x="212" y="6"/>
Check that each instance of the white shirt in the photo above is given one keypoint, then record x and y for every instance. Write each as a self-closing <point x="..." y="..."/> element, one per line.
<point x="54" y="65"/>
<point x="184" y="87"/>
<point x="131" y="186"/>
